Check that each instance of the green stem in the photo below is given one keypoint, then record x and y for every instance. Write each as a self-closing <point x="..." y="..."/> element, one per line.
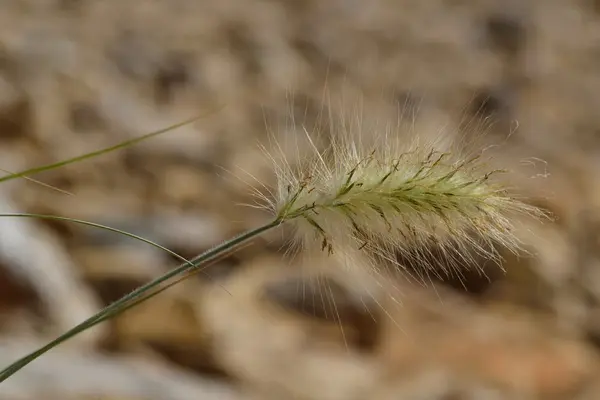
<point x="124" y="302"/>
<point x="97" y="153"/>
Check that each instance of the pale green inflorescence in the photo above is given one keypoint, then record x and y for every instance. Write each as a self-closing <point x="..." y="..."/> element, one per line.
<point x="383" y="200"/>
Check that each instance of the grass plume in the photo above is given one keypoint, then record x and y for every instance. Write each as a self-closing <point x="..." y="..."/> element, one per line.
<point x="393" y="196"/>
<point x="372" y="196"/>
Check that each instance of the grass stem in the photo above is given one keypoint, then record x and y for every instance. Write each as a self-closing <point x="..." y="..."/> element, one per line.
<point x="125" y="302"/>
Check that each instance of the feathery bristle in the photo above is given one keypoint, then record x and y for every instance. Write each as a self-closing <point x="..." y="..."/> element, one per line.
<point x="387" y="198"/>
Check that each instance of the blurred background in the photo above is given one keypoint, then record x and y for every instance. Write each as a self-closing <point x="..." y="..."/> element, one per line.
<point x="80" y="75"/>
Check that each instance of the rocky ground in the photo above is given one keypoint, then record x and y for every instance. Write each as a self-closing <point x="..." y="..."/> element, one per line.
<point x="78" y="75"/>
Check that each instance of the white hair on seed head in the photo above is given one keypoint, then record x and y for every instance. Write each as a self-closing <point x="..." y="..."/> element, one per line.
<point x="374" y="192"/>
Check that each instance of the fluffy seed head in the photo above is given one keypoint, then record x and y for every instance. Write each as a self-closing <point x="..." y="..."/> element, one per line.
<point x="391" y="200"/>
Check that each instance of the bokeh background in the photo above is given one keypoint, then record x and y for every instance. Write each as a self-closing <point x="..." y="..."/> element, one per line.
<point x="79" y="75"/>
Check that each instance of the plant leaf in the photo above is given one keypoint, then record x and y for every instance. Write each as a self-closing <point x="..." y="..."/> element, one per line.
<point x="100" y="152"/>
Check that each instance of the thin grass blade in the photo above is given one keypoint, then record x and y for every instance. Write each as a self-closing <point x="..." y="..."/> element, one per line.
<point x="140" y="293"/>
<point x="100" y="152"/>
